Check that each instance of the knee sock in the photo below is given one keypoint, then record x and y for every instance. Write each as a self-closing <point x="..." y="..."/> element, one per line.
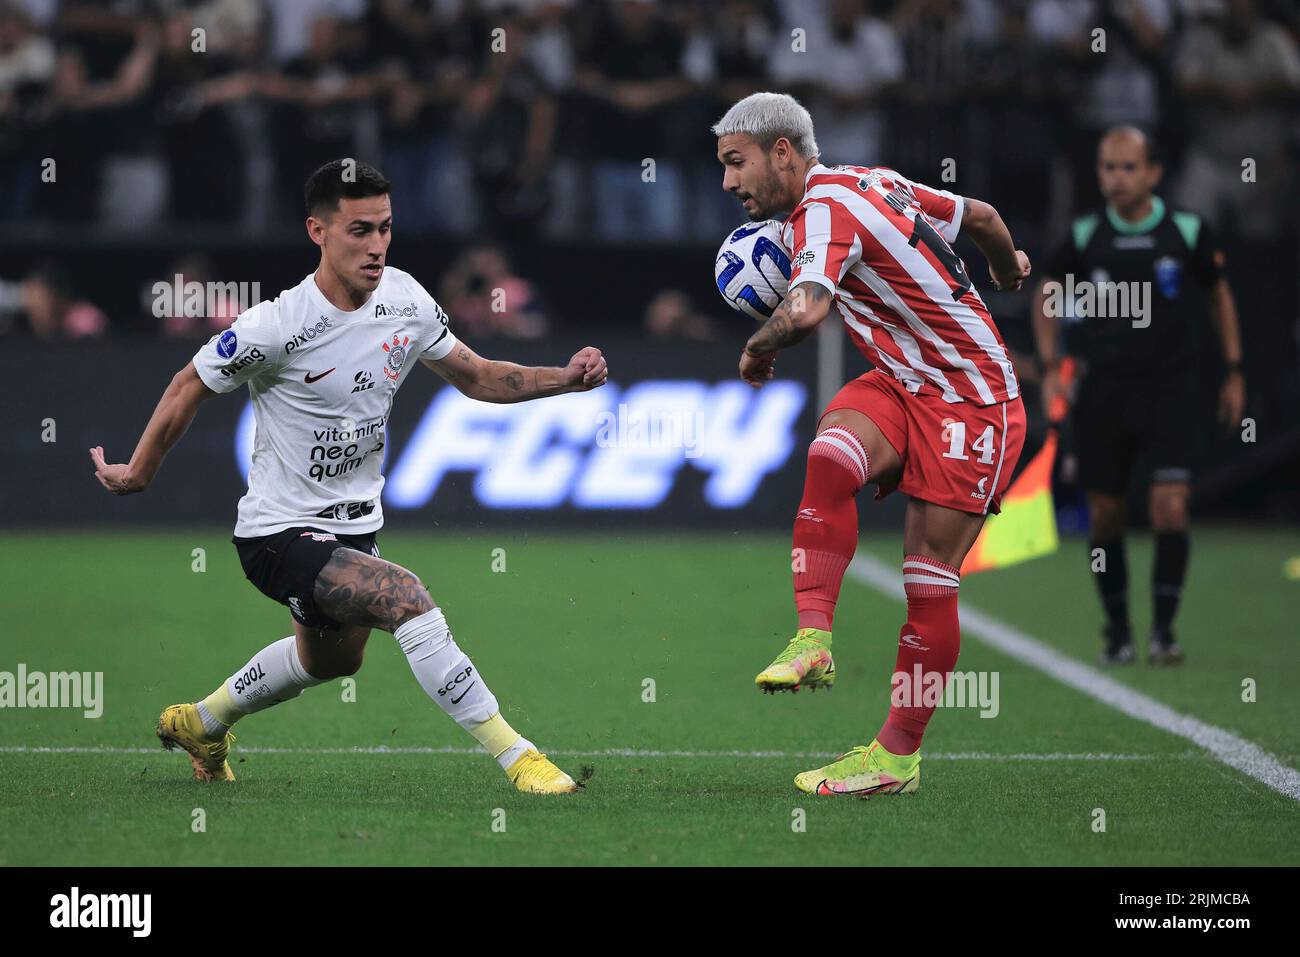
<point x="927" y="645"/>
<point x="1112" y="585"/>
<point x="273" y="675"/>
<point x="448" y="677"/>
<point x="826" y="527"/>
<point x="1167" y="577"/>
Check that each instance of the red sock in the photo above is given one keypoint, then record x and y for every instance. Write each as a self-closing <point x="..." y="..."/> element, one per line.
<point x="826" y="528"/>
<point x="927" y="646"/>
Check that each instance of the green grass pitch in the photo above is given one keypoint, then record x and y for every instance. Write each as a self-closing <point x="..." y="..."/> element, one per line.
<point x="567" y="635"/>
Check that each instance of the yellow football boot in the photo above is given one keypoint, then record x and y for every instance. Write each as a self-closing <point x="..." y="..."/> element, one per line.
<point x="180" y="725"/>
<point x="533" y="773"/>
<point x="864" y="772"/>
<point x="805" y="663"/>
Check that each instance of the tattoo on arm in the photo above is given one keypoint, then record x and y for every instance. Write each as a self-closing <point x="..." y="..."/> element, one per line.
<point x="359" y="589"/>
<point x="522" y="383"/>
<point x="451" y="374"/>
<point x="781" y="330"/>
<point x="495" y="380"/>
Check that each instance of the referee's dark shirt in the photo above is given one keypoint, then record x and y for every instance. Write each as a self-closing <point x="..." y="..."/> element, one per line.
<point x="1172" y="250"/>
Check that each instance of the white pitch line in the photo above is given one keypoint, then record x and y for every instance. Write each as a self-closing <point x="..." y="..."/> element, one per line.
<point x="626" y="753"/>
<point x="1234" y="751"/>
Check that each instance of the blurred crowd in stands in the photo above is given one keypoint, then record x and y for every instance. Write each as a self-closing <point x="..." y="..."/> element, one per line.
<point x="588" y="120"/>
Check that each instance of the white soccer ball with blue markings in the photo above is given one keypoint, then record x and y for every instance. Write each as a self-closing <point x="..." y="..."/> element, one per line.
<point x="753" y="269"/>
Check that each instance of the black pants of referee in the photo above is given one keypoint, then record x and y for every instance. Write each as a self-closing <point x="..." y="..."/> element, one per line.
<point x="1122" y="423"/>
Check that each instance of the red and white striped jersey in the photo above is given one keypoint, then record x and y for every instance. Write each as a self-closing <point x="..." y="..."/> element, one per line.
<point x="879" y="243"/>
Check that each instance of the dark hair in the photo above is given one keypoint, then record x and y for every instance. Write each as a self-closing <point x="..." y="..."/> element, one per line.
<point x="1154" y="155"/>
<point x="339" y="178"/>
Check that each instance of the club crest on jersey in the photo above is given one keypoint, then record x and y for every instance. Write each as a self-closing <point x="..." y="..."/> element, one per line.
<point x="396" y="356"/>
<point x="1169" y="276"/>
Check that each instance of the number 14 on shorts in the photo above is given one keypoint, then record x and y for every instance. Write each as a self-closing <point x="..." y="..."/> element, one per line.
<point x="954" y="433"/>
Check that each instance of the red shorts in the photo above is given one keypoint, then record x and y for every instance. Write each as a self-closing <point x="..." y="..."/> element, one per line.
<point x="957" y="454"/>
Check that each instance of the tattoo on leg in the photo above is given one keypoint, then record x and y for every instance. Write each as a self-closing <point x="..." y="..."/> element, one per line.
<point x="359" y="589"/>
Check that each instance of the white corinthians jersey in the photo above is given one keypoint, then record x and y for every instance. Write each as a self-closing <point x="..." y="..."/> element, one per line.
<point x="322" y="382"/>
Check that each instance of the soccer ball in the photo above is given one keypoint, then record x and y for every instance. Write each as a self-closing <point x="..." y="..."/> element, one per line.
<point x="753" y="269"/>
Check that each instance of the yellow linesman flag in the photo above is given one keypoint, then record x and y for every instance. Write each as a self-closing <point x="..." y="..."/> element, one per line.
<point x="1026" y="526"/>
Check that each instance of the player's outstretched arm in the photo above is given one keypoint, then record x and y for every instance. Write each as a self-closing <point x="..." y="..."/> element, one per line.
<point x="492" y="380"/>
<point x="793" y="321"/>
<point x="170" y="419"/>
<point x="1008" y="266"/>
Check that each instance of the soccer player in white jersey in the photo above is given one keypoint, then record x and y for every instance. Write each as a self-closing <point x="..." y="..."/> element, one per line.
<point x="323" y="363"/>
<point x="939" y="417"/>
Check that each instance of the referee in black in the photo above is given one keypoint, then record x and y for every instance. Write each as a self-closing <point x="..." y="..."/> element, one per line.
<point x="1136" y="401"/>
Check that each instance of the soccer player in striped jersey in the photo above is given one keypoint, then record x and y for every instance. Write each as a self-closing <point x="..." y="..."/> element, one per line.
<point x="939" y="417"/>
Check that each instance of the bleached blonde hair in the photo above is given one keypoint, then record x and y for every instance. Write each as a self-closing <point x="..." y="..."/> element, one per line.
<point x="769" y="116"/>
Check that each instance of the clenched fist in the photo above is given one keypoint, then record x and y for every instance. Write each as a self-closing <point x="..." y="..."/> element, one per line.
<point x="586" y="370"/>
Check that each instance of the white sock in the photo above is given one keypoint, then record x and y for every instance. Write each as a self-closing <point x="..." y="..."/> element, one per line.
<point x="512" y="754"/>
<point x="211" y="726"/>
<point x="445" y="672"/>
<point x="273" y="675"/>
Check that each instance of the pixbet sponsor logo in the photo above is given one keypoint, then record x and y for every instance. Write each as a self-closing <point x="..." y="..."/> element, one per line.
<point x="307" y="333"/>
<point x="406" y="312"/>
